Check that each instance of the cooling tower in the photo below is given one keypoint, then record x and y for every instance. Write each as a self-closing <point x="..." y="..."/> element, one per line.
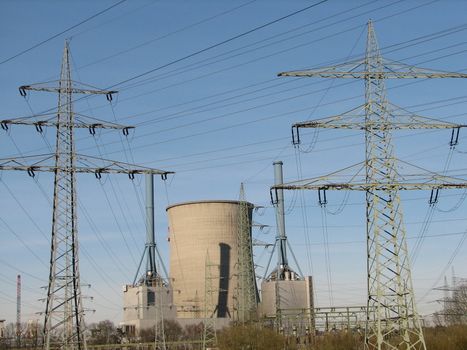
<point x="204" y="253"/>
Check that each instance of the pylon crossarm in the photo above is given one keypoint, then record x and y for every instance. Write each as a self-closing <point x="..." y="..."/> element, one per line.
<point x="73" y="87"/>
<point x="389" y="70"/>
<point x="51" y="119"/>
<point x="84" y="164"/>
<point x="373" y="186"/>
<point x="398" y="119"/>
<point x="354" y="178"/>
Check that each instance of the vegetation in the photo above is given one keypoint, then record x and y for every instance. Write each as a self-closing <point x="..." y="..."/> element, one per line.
<point x="173" y="332"/>
<point x="251" y="337"/>
<point x="454" y="311"/>
<point x="338" y="341"/>
<point x="103" y="332"/>
<point x="451" y="337"/>
<point x="446" y="338"/>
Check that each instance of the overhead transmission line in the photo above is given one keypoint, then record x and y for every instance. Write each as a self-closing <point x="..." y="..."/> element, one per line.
<point x="393" y="47"/>
<point x="439" y="34"/>
<point x="300" y="45"/>
<point x="209" y="47"/>
<point x="223" y="42"/>
<point x="245" y="33"/>
<point x="208" y="61"/>
<point x="63" y="32"/>
<point x="129" y="159"/>
<point x="166" y="35"/>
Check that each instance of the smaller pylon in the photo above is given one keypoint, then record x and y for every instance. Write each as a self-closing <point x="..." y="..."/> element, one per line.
<point x="209" y="332"/>
<point x="247" y="292"/>
<point x="18" y="310"/>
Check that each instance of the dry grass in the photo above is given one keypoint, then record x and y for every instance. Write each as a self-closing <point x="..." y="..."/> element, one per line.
<point x="446" y="338"/>
<point x="436" y="338"/>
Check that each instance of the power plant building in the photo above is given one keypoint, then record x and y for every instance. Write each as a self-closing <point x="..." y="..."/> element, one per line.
<point x="204" y="254"/>
<point x="144" y="305"/>
<point x="290" y="300"/>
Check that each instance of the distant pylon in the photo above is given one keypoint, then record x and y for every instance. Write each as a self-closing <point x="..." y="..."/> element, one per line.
<point x="246" y="294"/>
<point x="18" y="310"/>
<point x="392" y="318"/>
<point x="209" y="324"/>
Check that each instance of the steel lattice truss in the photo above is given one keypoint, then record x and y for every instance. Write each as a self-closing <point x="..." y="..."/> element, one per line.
<point x="211" y="273"/>
<point x="392" y="318"/>
<point x="247" y="295"/>
<point x="64" y="326"/>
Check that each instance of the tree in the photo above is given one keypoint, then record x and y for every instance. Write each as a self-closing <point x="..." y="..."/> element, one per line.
<point x="103" y="332"/>
<point x="172" y="331"/>
<point x="454" y="310"/>
<point x="194" y="331"/>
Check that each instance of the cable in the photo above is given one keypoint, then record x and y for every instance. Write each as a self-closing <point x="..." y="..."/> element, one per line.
<point x="306" y="231"/>
<point x="327" y="257"/>
<point x="128" y="155"/>
<point x="204" y="20"/>
<point x="218" y="44"/>
<point x="63" y="32"/>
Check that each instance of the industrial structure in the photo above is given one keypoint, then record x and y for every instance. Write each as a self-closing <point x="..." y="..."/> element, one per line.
<point x="64" y="312"/>
<point x="201" y="229"/>
<point x="148" y="300"/>
<point x="392" y="318"/>
<point x="18" y="310"/>
<point x="2" y="329"/>
<point x="246" y="295"/>
<point x="286" y="295"/>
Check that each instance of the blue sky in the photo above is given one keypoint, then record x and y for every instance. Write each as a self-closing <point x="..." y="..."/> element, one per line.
<point x="221" y="118"/>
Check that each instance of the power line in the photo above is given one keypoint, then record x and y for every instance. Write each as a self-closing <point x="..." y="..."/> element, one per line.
<point x="219" y="43"/>
<point x="63" y="32"/>
<point x="204" y="20"/>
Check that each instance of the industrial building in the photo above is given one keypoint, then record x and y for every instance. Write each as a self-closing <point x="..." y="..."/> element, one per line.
<point x="2" y="328"/>
<point x="289" y="303"/>
<point x="148" y="299"/>
<point x="144" y="305"/>
<point x="286" y="295"/>
<point x="204" y="279"/>
<point x="204" y="256"/>
<point x="211" y="271"/>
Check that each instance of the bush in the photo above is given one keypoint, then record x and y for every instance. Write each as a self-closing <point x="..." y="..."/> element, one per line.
<point x="250" y="337"/>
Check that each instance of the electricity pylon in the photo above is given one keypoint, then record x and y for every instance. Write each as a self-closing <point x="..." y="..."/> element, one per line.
<point x="209" y="329"/>
<point x="247" y="294"/>
<point x="392" y="319"/>
<point x="64" y="315"/>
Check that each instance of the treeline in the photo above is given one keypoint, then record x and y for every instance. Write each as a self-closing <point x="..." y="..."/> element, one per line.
<point x="105" y="335"/>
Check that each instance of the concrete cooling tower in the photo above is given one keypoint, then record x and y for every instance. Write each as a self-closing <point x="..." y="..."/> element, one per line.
<point x="204" y="252"/>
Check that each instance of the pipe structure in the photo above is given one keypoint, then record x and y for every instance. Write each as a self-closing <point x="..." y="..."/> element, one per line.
<point x="151" y="271"/>
<point x="281" y="238"/>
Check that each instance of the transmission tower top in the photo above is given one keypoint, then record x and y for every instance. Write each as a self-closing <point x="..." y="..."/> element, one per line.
<point x="372" y="66"/>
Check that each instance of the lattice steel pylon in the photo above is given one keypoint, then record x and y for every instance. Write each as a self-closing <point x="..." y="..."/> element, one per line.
<point x="246" y="294"/>
<point x="64" y="326"/>
<point x="392" y="319"/>
<point x="210" y="308"/>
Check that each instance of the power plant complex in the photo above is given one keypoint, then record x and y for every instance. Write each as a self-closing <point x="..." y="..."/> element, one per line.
<point x="211" y="278"/>
<point x="212" y="272"/>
